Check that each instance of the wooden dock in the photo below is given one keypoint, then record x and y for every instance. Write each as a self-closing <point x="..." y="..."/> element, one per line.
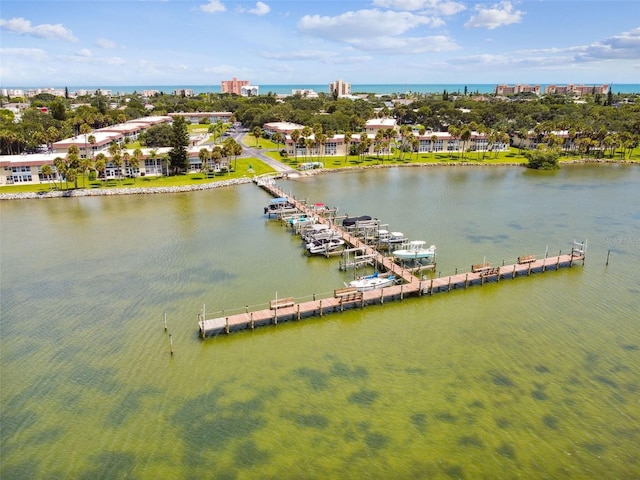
<point x="287" y="309"/>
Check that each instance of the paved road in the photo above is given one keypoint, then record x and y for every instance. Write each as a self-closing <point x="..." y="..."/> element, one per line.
<point x="259" y="153"/>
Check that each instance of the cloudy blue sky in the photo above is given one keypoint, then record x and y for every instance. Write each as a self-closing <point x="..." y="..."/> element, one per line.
<point x="153" y="42"/>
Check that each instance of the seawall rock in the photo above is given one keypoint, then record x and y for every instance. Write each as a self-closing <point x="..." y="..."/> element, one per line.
<point x="122" y="191"/>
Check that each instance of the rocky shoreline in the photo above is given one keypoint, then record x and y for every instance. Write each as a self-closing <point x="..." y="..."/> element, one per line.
<point x="122" y="191"/>
<point x="241" y="181"/>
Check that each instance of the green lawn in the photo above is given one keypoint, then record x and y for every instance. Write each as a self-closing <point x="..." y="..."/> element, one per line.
<point x="242" y="170"/>
<point x="510" y="157"/>
<point x="355" y="161"/>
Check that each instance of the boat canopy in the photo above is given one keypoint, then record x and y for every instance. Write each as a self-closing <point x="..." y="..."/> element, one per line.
<point x="350" y="221"/>
<point x="279" y="200"/>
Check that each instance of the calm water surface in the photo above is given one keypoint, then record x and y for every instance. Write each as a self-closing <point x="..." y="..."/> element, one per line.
<point x="532" y="378"/>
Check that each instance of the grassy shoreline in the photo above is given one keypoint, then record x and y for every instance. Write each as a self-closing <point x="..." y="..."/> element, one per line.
<point x="247" y="168"/>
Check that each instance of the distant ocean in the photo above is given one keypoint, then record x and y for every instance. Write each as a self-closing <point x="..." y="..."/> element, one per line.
<point x="324" y="88"/>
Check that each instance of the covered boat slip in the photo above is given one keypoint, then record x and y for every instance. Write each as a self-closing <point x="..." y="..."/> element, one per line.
<point x="405" y="283"/>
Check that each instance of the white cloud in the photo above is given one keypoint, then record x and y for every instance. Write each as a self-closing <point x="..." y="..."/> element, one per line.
<point x="497" y="15"/>
<point x="30" y="53"/>
<point x="228" y="70"/>
<point x="377" y="31"/>
<point x="437" y="7"/>
<point x="319" y="56"/>
<point x="407" y="45"/>
<point x="623" y="46"/>
<point x="360" y="26"/>
<point x="214" y="6"/>
<point x="21" y="26"/>
<point x="105" y="43"/>
<point x="84" y="52"/>
<point x="260" y="9"/>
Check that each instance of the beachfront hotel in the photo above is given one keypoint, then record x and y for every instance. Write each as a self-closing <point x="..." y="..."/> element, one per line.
<point x="569" y="89"/>
<point x="233" y="86"/>
<point x="340" y="89"/>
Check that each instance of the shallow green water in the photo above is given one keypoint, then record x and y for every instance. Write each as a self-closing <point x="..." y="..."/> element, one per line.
<point x="532" y="378"/>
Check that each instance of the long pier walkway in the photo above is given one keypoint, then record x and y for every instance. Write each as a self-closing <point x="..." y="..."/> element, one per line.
<point x="285" y="309"/>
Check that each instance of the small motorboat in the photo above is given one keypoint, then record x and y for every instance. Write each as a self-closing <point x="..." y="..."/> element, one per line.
<point x="371" y="282"/>
<point x="278" y="206"/>
<point x="324" y="246"/>
<point x="416" y="250"/>
<point x="397" y="237"/>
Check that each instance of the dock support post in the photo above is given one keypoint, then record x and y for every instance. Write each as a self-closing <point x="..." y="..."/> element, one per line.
<point x="431" y="288"/>
<point x="381" y="296"/>
<point x="481" y="280"/>
<point x="466" y="280"/>
<point x="252" y="321"/>
<point x="558" y="263"/>
<point x="401" y="293"/>
<point x="171" y="343"/>
<point x="298" y="311"/>
<point x="226" y="325"/>
<point x="513" y="275"/>
<point x="165" y="313"/>
<point x="420" y="288"/>
<point x="449" y="285"/>
<point x="320" y="307"/>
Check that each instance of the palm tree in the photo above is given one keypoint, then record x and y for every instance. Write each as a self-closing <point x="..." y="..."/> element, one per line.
<point x="237" y="151"/>
<point x="46" y="170"/>
<point x="308" y="145"/>
<point x="116" y="157"/>
<point x="204" y="156"/>
<point x="101" y="163"/>
<point x="126" y="157"/>
<point x="216" y="156"/>
<point x="84" y="166"/>
<point x="61" y="168"/>
<point x="295" y="136"/>
<point x="378" y="143"/>
<point x="465" y="136"/>
<point x="73" y="164"/>
<point x="153" y="156"/>
<point x="347" y="145"/>
<point x="134" y="162"/>
<point x="277" y="137"/>
<point x="454" y="132"/>
<point x="257" y="133"/>
<point x="389" y="134"/>
<point x="321" y="138"/>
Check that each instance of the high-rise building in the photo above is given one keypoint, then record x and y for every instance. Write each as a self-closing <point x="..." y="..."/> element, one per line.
<point x="340" y="88"/>
<point x="233" y="86"/>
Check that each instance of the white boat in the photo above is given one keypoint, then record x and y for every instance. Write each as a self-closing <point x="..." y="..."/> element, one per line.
<point x="383" y="236"/>
<point x="397" y="237"/>
<point x="309" y="232"/>
<point x="278" y="206"/>
<point x="371" y="282"/>
<point x="324" y="246"/>
<point x="415" y="250"/>
<point x="300" y="220"/>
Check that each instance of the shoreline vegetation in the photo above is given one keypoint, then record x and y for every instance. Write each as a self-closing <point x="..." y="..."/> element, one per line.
<point x="214" y="183"/>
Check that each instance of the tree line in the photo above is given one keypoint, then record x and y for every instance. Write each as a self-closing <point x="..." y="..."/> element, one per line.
<point x="593" y="119"/>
